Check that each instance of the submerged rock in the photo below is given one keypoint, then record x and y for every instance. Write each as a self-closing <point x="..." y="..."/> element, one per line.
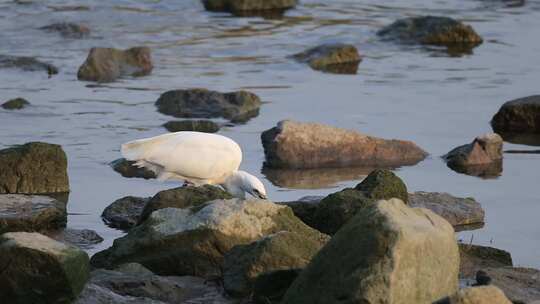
<point x="332" y="58"/>
<point x="15" y="104"/>
<point x="33" y="168"/>
<point x="183" y="197"/>
<point x="387" y="251"/>
<point x="31" y="213"/>
<point x="477" y="295"/>
<point x="317" y="178"/>
<point x="248" y="7"/>
<point x="201" y="103"/>
<point x="270" y="287"/>
<point x="82" y="238"/>
<point x="521" y="115"/>
<point x="432" y="30"/>
<point x="206" y="126"/>
<point x="108" y="64"/>
<point x="309" y="145"/>
<point x="127" y="168"/>
<point x="521" y="285"/>
<point x="36" y="269"/>
<point x="474" y="258"/>
<point x="68" y="30"/>
<point x="124" y="213"/>
<point x="462" y="213"/>
<point x="193" y="241"/>
<point x="29" y="64"/>
<point x="483" y="157"/>
<point x="281" y="251"/>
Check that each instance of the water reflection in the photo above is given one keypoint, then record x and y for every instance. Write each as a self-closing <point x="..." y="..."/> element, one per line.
<point x="489" y="171"/>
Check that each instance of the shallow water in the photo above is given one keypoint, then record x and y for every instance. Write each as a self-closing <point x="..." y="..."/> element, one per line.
<point x="414" y="93"/>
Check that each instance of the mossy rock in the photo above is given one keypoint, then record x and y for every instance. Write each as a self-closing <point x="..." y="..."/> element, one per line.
<point x="383" y="184"/>
<point x="15" y="104"/>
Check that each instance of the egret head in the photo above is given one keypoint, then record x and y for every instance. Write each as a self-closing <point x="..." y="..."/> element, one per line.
<point x="241" y="182"/>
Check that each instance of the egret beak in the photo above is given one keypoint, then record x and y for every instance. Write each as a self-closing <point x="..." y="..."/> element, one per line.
<point x="262" y="196"/>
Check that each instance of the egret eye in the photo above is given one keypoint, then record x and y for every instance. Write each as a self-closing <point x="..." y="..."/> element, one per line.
<point x="256" y="191"/>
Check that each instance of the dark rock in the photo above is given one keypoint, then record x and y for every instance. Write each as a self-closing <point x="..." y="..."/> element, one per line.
<point x="124" y="213"/>
<point x="521" y="285"/>
<point x="193" y="241"/>
<point x="30" y="213"/>
<point x="432" y="30"/>
<point x="37" y="269"/>
<point x="15" y="104"/>
<point x="383" y="184"/>
<point x="462" y="213"/>
<point x="281" y="251"/>
<point x="29" y="64"/>
<point x="482" y="278"/>
<point x="82" y="238"/>
<point x="201" y="103"/>
<point x="270" y="287"/>
<point x="332" y="58"/>
<point x="33" y="168"/>
<point x="309" y="145"/>
<point x="68" y="30"/>
<point x="127" y="168"/>
<point x="108" y="64"/>
<point x="387" y="251"/>
<point x="482" y="157"/>
<point x="206" y="126"/>
<point x="249" y="7"/>
<point x="521" y="115"/>
<point x="69" y="8"/>
<point x="474" y="258"/>
<point x="305" y="208"/>
<point x="183" y="197"/>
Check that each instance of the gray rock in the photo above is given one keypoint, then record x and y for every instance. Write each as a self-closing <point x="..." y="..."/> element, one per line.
<point x="108" y="64"/>
<point x="521" y="115"/>
<point x="521" y="285"/>
<point x="29" y="64"/>
<point x="127" y="169"/>
<point x="309" y="145"/>
<point x="36" y="269"/>
<point x="387" y="253"/>
<point x="270" y="287"/>
<point x="237" y="106"/>
<point x="206" y="126"/>
<point x="462" y="213"/>
<point x="94" y="294"/>
<point x="483" y="157"/>
<point x="335" y="58"/>
<point x="124" y="213"/>
<point x="68" y="30"/>
<point x="249" y="7"/>
<point x="474" y="258"/>
<point x="33" y="168"/>
<point x="82" y="238"/>
<point x="15" y="104"/>
<point x="29" y="213"/>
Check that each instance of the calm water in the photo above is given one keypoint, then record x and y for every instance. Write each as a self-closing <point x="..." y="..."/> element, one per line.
<point x="412" y="93"/>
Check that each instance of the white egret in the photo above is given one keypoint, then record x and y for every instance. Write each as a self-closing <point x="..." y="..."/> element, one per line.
<point x="197" y="158"/>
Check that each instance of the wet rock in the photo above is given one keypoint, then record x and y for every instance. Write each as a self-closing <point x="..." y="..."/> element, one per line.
<point x="281" y="251"/>
<point x="477" y="295"/>
<point x="462" y="213"/>
<point x="127" y="168"/>
<point x="183" y="197"/>
<point x="432" y="30"/>
<point x="33" y="168"/>
<point x="37" y="269"/>
<point x="309" y="145"/>
<point x="387" y="251"/>
<point x="332" y="58"/>
<point x="474" y="258"/>
<point x="482" y="157"/>
<point x="270" y="287"/>
<point x="206" y="126"/>
<point x="94" y="294"/>
<point x="248" y="7"/>
<point x="29" y="64"/>
<point x="201" y="103"/>
<point x="15" y="104"/>
<point x="108" y="64"/>
<point x="124" y="213"/>
<point x="521" y="285"/>
<point x="193" y="241"/>
<point x="521" y="115"/>
<point x="68" y="30"/>
<point x="82" y="238"/>
<point x="305" y="208"/>
<point x="31" y="213"/>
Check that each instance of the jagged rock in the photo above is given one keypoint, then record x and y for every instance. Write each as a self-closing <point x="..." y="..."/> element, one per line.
<point x="15" y="104"/>
<point x="482" y="157"/>
<point x="127" y="169"/>
<point x="206" y="126"/>
<point x="520" y="115"/>
<point x="108" y="64"/>
<point x="477" y="295"/>
<point x="20" y="212"/>
<point x="68" y="30"/>
<point x="29" y="64"/>
<point x="332" y="58"/>
<point x="270" y="287"/>
<point x="124" y="213"/>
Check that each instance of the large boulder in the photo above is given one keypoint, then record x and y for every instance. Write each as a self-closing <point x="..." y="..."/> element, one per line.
<point x="309" y="145"/>
<point x="15" y="104"/>
<point x="388" y="253"/>
<point x="248" y="7"/>
<point x="521" y="115"/>
<point x="206" y="126"/>
<point x="127" y="168"/>
<point x="183" y="197"/>
<point x="108" y="64"/>
<point x="270" y="287"/>
<point x="474" y="258"/>
<point x="33" y="168"/>
<point x="332" y="58"/>
<point x="464" y="213"/>
<point x="482" y="157"/>
<point x="36" y="269"/>
<point x="521" y="285"/>
<point x="124" y="213"/>
<point x="20" y="212"/>
<point x="281" y="251"/>
<point x="68" y="30"/>
<point x="432" y="30"/>
<point x="202" y="103"/>
<point x="29" y="64"/>
<point x="175" y="241"/>
<point x="477" y="295"/>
